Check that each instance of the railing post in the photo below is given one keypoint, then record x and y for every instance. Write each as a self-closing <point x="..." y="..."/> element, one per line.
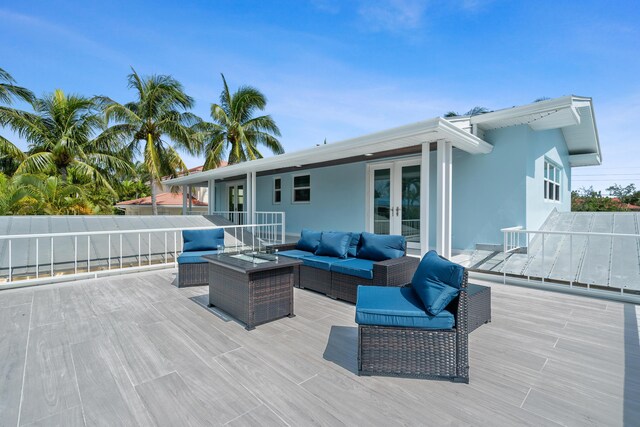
<point x="88" y="254"/>
<point x="175" y="248"/>
<point x="51" y="256"/>
<point x="37" y="257"/>
<point x="75" y="254"/>
<point x="283" y="227"/>
<point x="139" y="252"/>
<point x="542" y="266"/>
<point x="10" y="266"/>
<point x="504" y="266"/>
<point x="109" y="252"/>
<point x="165" y="248"/>
<point x="120" y="250"/>
<point x="570" y="260"/>
<point x="149" y="248"/>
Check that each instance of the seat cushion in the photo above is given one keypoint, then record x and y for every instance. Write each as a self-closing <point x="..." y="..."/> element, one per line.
<point x="354" y="245"/>
<point x="395" y="306"/>
<point x="321" y="262"/>
<point x="437" y="282"/>
<point x="355" y="267"/>
<point x="378" y="247"/>
<point x="194" y="257"/>
<point x="295" y="253"/>
<point x="202" y="240"/>
<point x="309" y="240"/>
<point x="334" y="244"/>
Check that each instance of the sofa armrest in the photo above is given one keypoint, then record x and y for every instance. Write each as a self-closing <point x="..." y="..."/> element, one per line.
<point x="395" y="271"/>
<point x="280" y="247"/>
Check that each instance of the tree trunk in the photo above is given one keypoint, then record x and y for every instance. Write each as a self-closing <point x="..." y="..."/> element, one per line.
<point x="154" y="207"/>
<point x="63" y="174"/>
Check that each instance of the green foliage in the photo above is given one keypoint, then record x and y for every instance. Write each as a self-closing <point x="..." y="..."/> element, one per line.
<point x="472" y="112"/>
<point x="236" y="132"/>
<point x="589" y="200"/>
<point x="628" y="194"/>
<point x="155" y="125"/>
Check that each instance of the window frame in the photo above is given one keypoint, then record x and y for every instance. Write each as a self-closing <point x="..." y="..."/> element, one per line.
<point x="294" y="188"/>
<point x="276" y="190"/>
<point x="549" y="183"/>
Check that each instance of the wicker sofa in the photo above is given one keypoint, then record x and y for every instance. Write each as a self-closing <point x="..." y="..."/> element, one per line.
<point x="339" y="277"/>
<point x="193" y="270"/>
<point x="397" y="337"/>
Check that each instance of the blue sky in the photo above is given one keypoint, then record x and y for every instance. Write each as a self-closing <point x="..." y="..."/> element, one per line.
<point x="338" y="69"/>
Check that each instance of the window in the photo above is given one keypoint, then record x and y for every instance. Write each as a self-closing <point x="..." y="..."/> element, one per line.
<point x="551" y="181"/>
<point x="277" y="191"/>
<point x="302" y="189"/>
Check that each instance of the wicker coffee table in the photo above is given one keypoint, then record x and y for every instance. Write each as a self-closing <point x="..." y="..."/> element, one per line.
<point x="254" y="288"/>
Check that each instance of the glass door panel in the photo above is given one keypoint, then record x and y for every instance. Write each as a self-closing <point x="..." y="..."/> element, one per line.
<point x="410" y="203"/>
<point x="382" y="201"/>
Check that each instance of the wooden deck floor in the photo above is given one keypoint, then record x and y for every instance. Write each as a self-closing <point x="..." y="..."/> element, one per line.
<point x="135" y="350"/>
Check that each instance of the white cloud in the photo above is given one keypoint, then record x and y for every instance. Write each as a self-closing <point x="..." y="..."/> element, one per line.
<point x="393" y="15"/>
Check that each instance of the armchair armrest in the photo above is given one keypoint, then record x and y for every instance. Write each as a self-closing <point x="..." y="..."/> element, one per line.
<point x="395" y="271"/>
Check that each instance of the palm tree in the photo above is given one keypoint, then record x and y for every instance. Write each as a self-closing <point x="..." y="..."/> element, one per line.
<point x="9" y="90"/>
<point x="235" y="131"/>
<point x="472" y="112"/>
<point x="157" y="117"/>
<point x="61" y="133"/>
<point x="53" y="196"/>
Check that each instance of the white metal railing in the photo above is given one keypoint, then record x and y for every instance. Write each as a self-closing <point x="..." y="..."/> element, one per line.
<point x="260" y="217"/>
<point x="520" y="241"/>
<point x="49" y="257"/>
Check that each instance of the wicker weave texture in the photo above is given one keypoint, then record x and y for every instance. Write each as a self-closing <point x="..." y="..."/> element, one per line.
<point x="419" y="353"/>
<point x="193" y="274"/>
<point x="479" y="306"/>
<point x="315" y="279"/>
<point x="252" y="298"/>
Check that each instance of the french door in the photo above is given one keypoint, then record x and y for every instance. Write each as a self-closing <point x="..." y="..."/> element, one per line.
<point x="394" y="199"/>
<point x="235" y="202"/>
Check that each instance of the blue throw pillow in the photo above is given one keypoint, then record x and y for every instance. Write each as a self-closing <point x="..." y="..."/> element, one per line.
<point x="353" y="246"/>
<point x="202" y="240"/>
<point x="309" y="240"/>
<point x="334" y="243"/>
<point x="378" y="247"/>
<point x="437" y="282"/>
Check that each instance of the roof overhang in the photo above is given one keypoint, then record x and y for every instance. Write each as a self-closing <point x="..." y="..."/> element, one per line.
<point x="572" y="114"/>
<point x="392" y="139"/>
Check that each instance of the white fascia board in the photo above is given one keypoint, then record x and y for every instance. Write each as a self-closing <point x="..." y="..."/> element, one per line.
<point x="400" y="137"/>
<point x="529" y="109"/>
<point x="591" y="159"/>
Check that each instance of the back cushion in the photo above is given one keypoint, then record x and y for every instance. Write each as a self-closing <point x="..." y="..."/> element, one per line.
<point x="437" y="282"/>
<point x="379" y="247"/>
<point x="355" y="243"/>
<point x="334" y="244"/>
<point x="202" y="240"/>
<point x="309" y="240"/>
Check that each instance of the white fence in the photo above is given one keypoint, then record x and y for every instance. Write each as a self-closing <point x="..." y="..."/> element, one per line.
<point x="586" y="259"/>
<point x="48" y="257"/>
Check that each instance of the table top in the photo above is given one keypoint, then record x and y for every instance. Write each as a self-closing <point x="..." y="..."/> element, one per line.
<point x="251" y="262"/>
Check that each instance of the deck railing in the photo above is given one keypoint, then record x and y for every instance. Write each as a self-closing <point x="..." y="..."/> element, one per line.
<point x="585" y="259"/>
<point x="48" y="257"/>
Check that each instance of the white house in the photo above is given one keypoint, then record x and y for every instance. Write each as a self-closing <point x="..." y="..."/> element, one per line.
<point x="448" y="184"/>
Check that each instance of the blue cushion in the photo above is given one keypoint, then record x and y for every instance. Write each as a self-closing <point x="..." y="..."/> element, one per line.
<point x="194" y="257"/>
<point x="295" y="253"/>
<point x="353" y="246"/>
<point x="202" y="240"/>
<point x="437" y="281"/>
<point x="355" y="267"/>
<point x="321" y="262"/>
<point x="309" y="240"/>
<point x="378" y="247"/>
<point x="334" y="243"/>
<point x="395" y="306"/>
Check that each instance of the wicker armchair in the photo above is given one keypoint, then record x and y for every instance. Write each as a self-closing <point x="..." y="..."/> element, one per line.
<point x="419" y="353"/>
<point x="193" y="274"/>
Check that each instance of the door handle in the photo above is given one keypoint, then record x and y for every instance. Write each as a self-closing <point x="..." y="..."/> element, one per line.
<point x="397" y="211"/>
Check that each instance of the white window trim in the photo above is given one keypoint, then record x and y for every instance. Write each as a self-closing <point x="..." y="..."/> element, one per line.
<point x="273" y="196"/>
<point x="293" y="189"/>
<point x="546" y="180"/>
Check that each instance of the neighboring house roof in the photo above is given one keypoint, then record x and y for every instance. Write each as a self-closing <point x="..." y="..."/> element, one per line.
<point x="162" y="199"/>
<point x="627" y="206"/>
<point x="412" y="135"/>
<point x="197" y="169"/>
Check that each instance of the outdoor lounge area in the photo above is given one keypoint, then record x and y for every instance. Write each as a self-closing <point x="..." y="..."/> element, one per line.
<point x="137" y="350"/>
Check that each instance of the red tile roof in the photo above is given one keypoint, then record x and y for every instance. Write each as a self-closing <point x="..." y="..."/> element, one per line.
<point x="196" y="170"/>
<point x="162" y="199"/>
